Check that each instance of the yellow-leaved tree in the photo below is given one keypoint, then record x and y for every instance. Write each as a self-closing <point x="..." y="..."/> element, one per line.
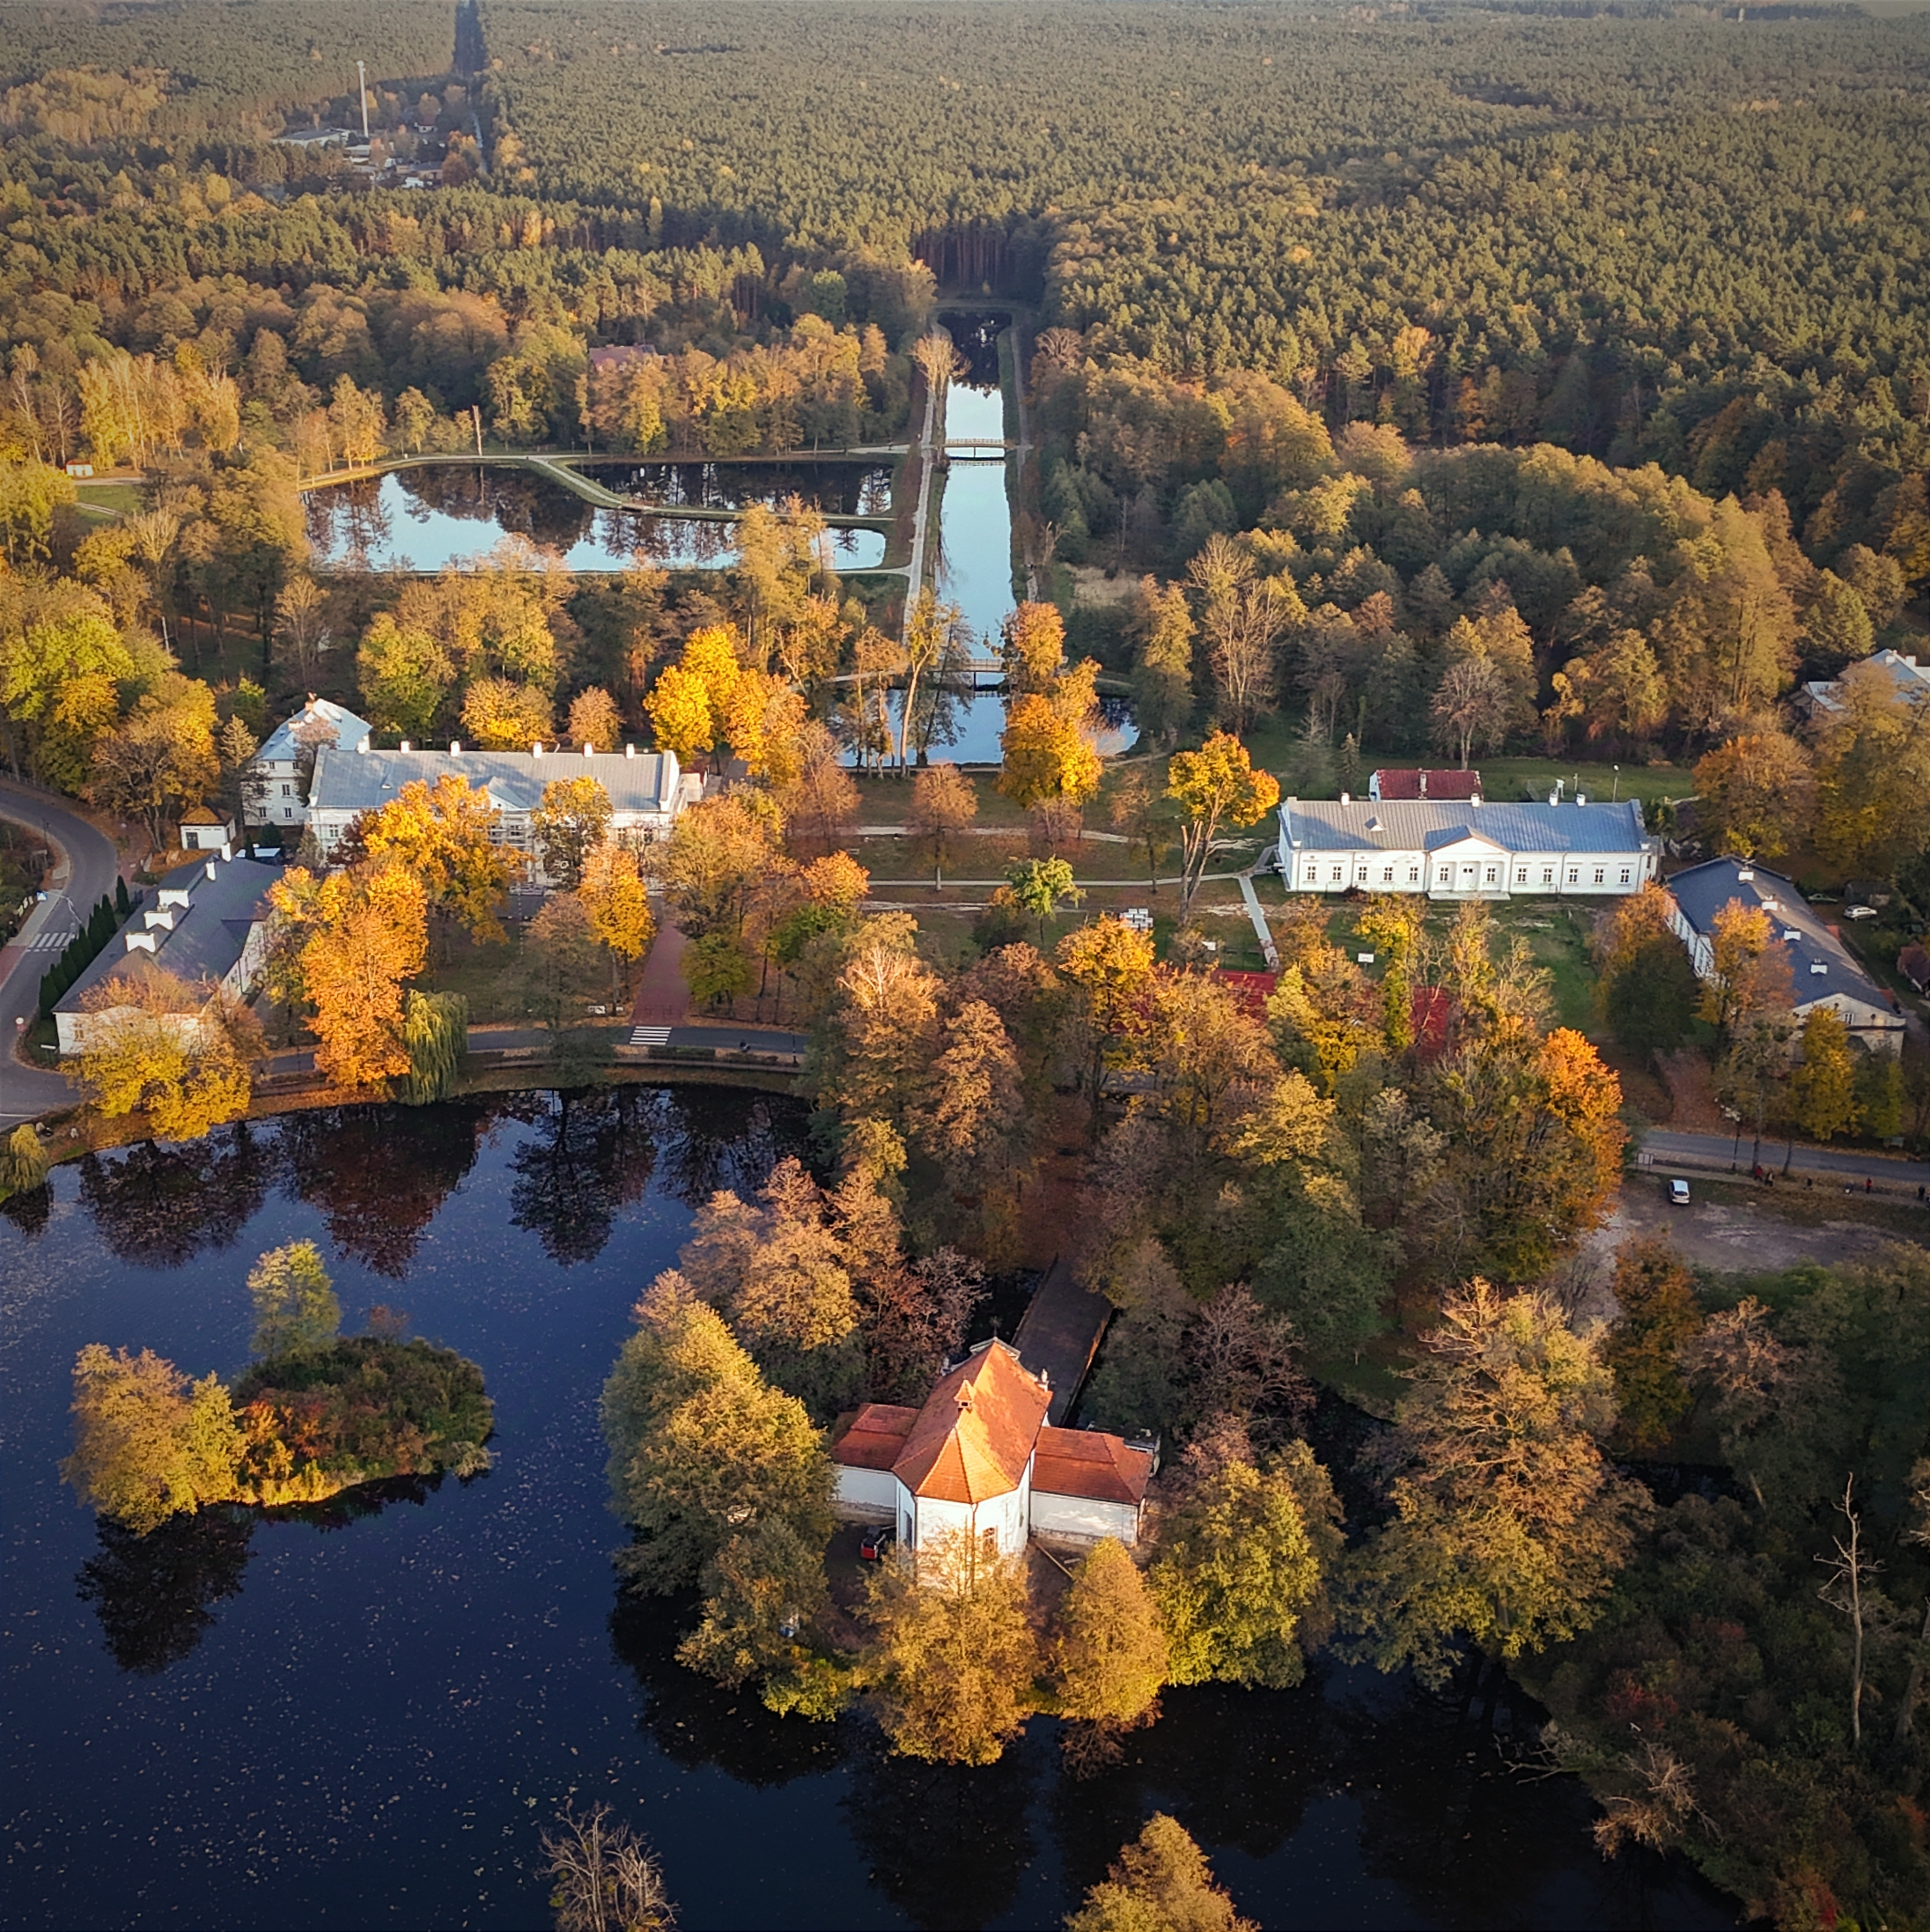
<point x="441" y="835"/>
<point x="181" y="1055"/>
<point x="613" y="895"/>
<point x="1214" y="786"/>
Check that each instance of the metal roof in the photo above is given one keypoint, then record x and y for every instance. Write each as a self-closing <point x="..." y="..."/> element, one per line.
<point x="280" y="747"/>
<point x="1421" y="825"/>
<point x="209" y="932"/>
<point x="1702" y="890"/>
<point x="360" y="781"/>
<point x="1391" y="783"/>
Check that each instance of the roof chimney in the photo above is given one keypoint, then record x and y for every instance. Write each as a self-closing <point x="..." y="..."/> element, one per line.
<point x="1345" y="799"/>
<point x="535" y="750"/>
<point x="1424" y="785"/>
<point x="1581" y="798"/>
<point x="405" y="746"/>
<point x="589" y="750"/>
<point x="363" y="746"/>
<point x="210" y="868"/>
<point x="455" y="748"/>
<point x="630" y="751"/>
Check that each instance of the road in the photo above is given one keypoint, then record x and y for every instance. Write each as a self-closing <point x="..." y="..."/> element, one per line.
<point x="518" y="1039"/>
<point x="1709" y="1146"/>
<point x="88" y="866"/>
<point x="915" y="571"/>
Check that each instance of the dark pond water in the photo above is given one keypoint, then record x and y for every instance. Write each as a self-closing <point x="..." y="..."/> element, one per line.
<point x="364" y="1717"/>
<point x="839" y="490"/>
<point x="424" y="519"/>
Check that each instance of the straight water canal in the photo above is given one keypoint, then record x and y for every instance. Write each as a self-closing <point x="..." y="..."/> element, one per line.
<point x="365" y="1714"/>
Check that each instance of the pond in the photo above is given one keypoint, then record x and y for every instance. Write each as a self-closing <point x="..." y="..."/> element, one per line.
<point x="428" y="519"/>
<point x="966" y="725"/>
<point x="838" y="490"/>
<point x="365" y="1714"/>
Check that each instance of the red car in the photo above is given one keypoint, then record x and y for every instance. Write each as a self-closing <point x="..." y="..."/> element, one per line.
<point x="875" y="1542"/>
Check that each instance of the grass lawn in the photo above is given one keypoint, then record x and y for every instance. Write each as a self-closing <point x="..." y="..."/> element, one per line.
<point x="114" y="499"/>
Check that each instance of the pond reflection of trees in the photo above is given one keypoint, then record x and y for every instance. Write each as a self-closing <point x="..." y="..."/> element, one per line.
<point x="592" y="1153"/>
<point x="153" y="1593"/>
<point x="695" y="1722"/>
<point x="835" y="489"/>
<point x="379" y="1175"/>
<point x="162" y="1205"/>
<point x="947" y="1844"/>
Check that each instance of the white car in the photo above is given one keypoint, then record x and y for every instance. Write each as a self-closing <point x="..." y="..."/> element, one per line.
<point x="1678" y="1193"/>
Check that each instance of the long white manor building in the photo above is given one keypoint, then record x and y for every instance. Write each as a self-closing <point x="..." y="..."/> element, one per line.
<point x="647" y="789"/>
<point x="1465" y="849"/>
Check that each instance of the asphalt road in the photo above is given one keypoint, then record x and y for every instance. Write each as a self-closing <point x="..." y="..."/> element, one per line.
<point x="91" y="864"/>
<point x="1709" y="1146"/>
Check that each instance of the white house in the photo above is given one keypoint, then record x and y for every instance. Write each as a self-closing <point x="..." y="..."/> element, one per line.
<point x="980" y="1457"/>
<point x="273" y="788"/>
<point x="1821" y="972"/>
<point x="1472" y="849"/>
<point x="207" y="927"/>
<point x="647" y="789"/>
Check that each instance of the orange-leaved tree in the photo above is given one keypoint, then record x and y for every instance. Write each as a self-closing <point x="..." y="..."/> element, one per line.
<point x="1215" y="785"/>
<point x="612" y="894"/>
<point x="361" y="934"/>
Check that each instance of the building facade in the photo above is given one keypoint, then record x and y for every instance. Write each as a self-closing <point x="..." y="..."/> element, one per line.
<point x="981" y="1457"/>
<point x="646" y="790"/>
<point x="1466" y="850"/>
<point x="275" y="783"/>
<point x="1822" y="970"/>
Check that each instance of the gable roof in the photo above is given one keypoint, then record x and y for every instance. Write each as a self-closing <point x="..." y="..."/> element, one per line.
<point x="1702" y="890"/>
<point x="874" y="1437"/>
<point x="1374" y="825"/>
<point x="352" y="781"/>
<point x="1910" y="677"/>
<point x="1090" y="1464"/>
<point x="976" y="1431"/>
<point x="1442" y="787"/>
<point x="280" y="747"/>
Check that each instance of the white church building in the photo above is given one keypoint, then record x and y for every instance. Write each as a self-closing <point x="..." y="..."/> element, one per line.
<point x="980" y="1456"/>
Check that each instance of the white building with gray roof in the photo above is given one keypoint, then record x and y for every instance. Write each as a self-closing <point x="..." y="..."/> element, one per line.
<point x="1822" y="970"/>
<point x="1465" y="849"/>
<point x="275" y="784"/>
<point x="647" y="789"/>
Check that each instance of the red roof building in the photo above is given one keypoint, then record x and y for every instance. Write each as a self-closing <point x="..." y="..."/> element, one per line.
<point x="1439" y="788"/>
<point x="980" y="1457"/>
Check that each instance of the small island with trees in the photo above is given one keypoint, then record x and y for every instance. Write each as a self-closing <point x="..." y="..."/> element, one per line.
<point x="314" y="1413"/>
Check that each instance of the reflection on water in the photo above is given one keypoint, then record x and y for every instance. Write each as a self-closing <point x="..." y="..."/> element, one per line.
<point x="975" y="567"/>
<point x="965" y="726"/>
<point x="268" y="1725"/>
<point x="838" y="490"/>
<point x="428" y="519"/>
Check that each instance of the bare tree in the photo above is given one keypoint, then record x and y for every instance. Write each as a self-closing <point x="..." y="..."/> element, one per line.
<point x="1241" y="621"/>
<point x="607" y="1878"/>
<point x="298" y="622"/>
<point x="1471" y="707"/>
<point x="1850" y="1570"/>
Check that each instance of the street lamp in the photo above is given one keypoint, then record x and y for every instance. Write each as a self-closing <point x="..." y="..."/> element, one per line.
<point x="1616" y="793"/>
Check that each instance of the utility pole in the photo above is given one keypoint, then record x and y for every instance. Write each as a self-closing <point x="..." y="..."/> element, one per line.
<point x="362" y="95"/>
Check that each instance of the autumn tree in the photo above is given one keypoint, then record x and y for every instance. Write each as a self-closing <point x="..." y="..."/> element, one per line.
<point x="160" y="758"/>
<point x="720" y="858"/>
<point x="1040" y="887"/>
<point x="24" y="1163"/>
<point x="603" y="1873"/>
<point x="1471" y="707"/>
<point x="1242" y="617"/>
<point x="952" y="1654"/>
<point x="1108" y="1654"/>
<point x="1749" y="973"/>
<point x="1873" y="767"/>
<point x="1646" y="984"/>
<point x="435" y="1034"/>
<point x="1392" y="924"/>
<point x="1110" y="967"/>
<point x="442" y="835"/>
<point x="819" y="797"/>
<point x="1245" y="1569"/>
<point x="613" y="895"/>
<point x="1509" y="1524"/>
<point x="1159" y="1882"/>
<point x="1162" y="677"/>
<point x="181" y="1056"/>
<point x="359" y="936"/>
<point x="1032" y="647"/>
<point x="498" y="714"/>
<point x="1823" y="1087"/>
<point x="1758" y="794"/>
<point x="700" y="1446"/>
<point x="571" y="822"/>
<point x="596" y="720"/>
<point x="1046" y="745"/>
<point x="1139" y="809"/>
<point x="404" y="674"/>
<point x="296" y="1311"/>
<point x="1214" y="786"/>
<point x="884" y="1028"/>
<point x="690" y="704"/>
<point x="556" y="966"/>
<point x="1656" y="1297"/>
<point x="944" y="803"/>
<point x="148" y="1444"/>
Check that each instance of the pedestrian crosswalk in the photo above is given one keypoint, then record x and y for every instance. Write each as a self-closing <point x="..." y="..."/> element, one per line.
<point x="50" y="942"/>
<point x="649" y="1037"/>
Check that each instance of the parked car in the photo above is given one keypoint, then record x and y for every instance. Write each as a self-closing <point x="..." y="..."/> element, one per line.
<point x="1678" y="1193"/>
<point x="875" y="1541"/>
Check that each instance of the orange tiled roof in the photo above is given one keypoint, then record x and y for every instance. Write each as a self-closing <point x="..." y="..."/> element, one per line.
<point x="876" y="1437"/>
<point x="1087" y="1462"/>
<point x="975" y="1433"/>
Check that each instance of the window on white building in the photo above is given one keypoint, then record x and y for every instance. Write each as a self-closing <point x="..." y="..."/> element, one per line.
<point x="288" y="791"/>
<point x="1446" y="876"/>
<point x="1520" y="876"/>
<point x="1548" y="875"/>
<point x="1625" y="880"/>
<point x="1599" y="874"/>
<point x="1491" y="876"/>
<point x="1386" y="875"/>
<point x="1413" y="875"/>
<point x="1336" y="875"/>
<point x="1574" y="876"/>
